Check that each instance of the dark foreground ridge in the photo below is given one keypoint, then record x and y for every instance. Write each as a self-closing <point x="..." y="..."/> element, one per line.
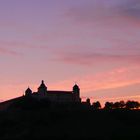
<point x="27" y="117"/>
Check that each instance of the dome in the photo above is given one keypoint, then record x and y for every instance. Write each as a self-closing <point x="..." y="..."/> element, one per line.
<point x="42" y="85"/>
<point x="28" y="91"/>
<point x="75" y="87"/>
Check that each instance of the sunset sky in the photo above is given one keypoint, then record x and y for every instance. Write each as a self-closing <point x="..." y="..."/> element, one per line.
<point x="95" y="43"/>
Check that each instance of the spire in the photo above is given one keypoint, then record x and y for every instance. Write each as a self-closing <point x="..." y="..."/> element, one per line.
<point x="42" y="82"/>
<point x="42" y="88"/>
<point x="76" y="92"/>
<point x="75" y="86"/>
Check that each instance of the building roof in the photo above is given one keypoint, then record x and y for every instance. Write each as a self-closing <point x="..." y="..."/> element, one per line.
<point x="59" y="92"/>
<point x="75" y="86"/>
<point x="42" y="85"/>
<point x="28" y="90"/>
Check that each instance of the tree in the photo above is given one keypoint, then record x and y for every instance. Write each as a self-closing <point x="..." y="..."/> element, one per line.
<point x="116" y="105"/>
<point x="132" y="105"/>
<point x="88" y="101"/>
<point x="96" y="105"/>
<point x="120" y="104"/>
<point x="108" y="105"/>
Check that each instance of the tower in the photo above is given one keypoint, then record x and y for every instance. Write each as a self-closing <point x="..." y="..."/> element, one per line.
<point x="28" y="92"/>
<point x="76" y="92"/>
<point x="42" y="90"/>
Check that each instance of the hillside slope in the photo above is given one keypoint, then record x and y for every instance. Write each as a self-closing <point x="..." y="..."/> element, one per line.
<point x="60" y="122"/>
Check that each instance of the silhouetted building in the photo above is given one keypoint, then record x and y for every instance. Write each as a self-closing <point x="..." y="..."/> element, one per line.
<point x="55" y="96"/>
<point x="28" y="92"/>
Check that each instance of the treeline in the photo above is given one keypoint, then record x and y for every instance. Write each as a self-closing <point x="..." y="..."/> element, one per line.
<point x="33" y="104"/>
<point x="117" y="105"/>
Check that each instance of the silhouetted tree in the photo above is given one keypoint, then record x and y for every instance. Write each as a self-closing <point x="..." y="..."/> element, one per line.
<point x="108" y="105"/>
<point x="116" y="105"/>
<point x="96" y="105"/>
<point x="120" y="104"/>
<point x="88" y="101"/>
<point x="132" y="105"/>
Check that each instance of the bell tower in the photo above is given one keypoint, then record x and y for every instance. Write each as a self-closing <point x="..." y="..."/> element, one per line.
<point x="76" y="92"/>
<point x="42" y="90"/>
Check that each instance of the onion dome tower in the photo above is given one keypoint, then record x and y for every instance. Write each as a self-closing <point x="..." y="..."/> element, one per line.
<point x="28" y="92"/>
<point x="76" y="92"/>
<point x="42" y="90"/>
<point x="76" y="89"/>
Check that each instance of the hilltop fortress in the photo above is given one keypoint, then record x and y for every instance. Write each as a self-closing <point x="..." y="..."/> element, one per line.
<point x="55" y="96"/>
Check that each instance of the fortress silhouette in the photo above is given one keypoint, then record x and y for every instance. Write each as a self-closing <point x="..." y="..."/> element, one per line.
<point x="55" y="96"/>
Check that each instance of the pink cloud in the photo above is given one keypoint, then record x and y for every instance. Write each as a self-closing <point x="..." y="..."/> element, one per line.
<point x="9" y="52"/>
<point x="113" y="79"/>
<point x="108" y="20"/>
<point x="109" y="8"/>
<point x="109" y="86"/>
<point x="89" y="58"/>
<point x="101" y="33"/>
<point x="20" y="44"/>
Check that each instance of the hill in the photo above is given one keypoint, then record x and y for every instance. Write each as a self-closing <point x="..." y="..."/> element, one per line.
<point x="24" y="120"/>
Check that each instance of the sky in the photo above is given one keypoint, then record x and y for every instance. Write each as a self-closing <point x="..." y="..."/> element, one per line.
<point x="94" y="43"/>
